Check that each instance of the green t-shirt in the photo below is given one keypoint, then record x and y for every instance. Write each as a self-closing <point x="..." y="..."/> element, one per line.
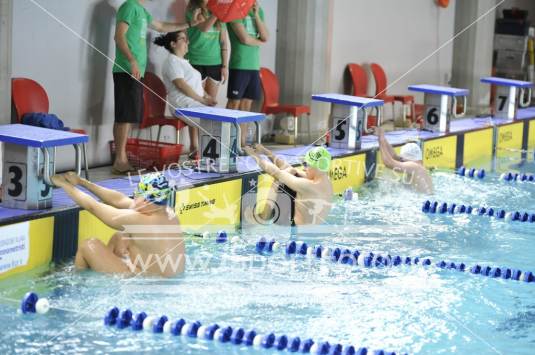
<point x="138" y="19"/>
<point x="243" y="56"/>
<point x="204" y="47"/>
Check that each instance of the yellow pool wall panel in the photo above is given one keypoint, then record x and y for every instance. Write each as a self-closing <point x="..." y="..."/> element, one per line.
<point x="440" y="153"/>
<point x="40" y="238"/>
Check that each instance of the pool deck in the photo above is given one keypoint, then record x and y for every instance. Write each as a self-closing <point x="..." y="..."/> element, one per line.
<point x="246" y="165"/>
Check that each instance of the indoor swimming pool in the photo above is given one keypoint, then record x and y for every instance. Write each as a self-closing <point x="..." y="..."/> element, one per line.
<point x="412" y="309"/>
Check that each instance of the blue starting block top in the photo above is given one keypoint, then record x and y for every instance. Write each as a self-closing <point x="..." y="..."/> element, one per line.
<point x="38" y="137"/>
<point x="506" y="82"/>
<point x="221" y="114"/>
<point x="439" y="90"/>
<point x="348" y="100"/>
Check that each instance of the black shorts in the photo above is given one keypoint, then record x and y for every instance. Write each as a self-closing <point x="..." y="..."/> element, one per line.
<point x="209" y="71"/>
<point x="128" y="94"/>
<point x="243" y="84"/>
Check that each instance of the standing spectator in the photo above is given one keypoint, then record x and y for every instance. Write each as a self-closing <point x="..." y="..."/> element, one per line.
<point x="246" y="37"/>
<point x="130" y="63"/>
<point x="208" y="53"/>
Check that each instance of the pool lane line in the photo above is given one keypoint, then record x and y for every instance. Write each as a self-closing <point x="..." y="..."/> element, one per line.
<point x="370" y="260"/>
<point x="510" y="176"/>
<point x="235" y="336"/>
<point x="435" y="207"/>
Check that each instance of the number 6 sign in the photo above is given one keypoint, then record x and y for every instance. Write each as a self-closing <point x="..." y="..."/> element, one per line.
<point x="440" y="106"/>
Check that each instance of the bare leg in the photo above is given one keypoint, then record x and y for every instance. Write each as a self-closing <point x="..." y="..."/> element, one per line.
<point x="245" y="105"/>
<point x="120" y="136"/>
<point x="193" y="139"/>
<point x="98" y="257"/>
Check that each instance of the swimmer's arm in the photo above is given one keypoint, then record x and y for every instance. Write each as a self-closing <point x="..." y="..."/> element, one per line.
<point x="113" y="217"/>
<point x="388" y="160"/>
<point x="295" y="183"/>
<point x="384" y="143"/>
<point x="111" y="197"/>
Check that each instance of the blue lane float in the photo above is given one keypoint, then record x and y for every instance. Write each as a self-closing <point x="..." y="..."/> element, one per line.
<point x="517" y="177"/>
<point x="233" y="336"/>
<point x="372" y="260"/>
<point x="471" y="172"/>
<point x="433" y="207"/>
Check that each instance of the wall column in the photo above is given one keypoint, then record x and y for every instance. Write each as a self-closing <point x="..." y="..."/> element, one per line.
<point x="303" y="59"/>
<point x="6" y="17"/>
<point x="473" y="50"/>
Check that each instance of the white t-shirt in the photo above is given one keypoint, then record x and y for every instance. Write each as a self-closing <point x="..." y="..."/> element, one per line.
<point x="179" y="68"/>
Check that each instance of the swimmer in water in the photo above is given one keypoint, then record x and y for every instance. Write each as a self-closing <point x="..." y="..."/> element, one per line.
<point x="155" y="248"/>
<point x="310" y="191"/>
<point x="409" y="162"/>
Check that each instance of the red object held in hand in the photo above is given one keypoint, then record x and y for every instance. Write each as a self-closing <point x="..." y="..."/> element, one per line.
<point x="443" y="3"/>
<point x="230" y="10"/>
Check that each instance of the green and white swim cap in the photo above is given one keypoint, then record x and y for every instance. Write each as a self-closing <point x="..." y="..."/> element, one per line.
<point x="319" y="158"/>
<point x="154" y="188"/>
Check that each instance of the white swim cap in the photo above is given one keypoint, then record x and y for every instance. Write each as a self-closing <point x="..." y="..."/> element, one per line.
<point x="411" y="152"/>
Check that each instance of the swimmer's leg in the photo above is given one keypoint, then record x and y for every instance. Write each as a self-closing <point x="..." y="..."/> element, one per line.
<point x="118" y="244"/>
<point x="95" y="255"/>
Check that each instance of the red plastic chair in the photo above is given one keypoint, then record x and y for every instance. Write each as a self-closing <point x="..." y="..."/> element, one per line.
<point x="380" y="92"/>
<point x="271" y="106"/>
<point x="359" y="79"/>
<point x="154" y="107"/>
<point x="29" y="96"/>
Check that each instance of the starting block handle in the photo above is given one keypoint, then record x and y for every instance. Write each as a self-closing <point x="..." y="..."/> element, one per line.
<point x="525" y="102"/>
<point x="454" y="107"/>
<point x="365" y="123"/>
<point x="258" y="132"/>
<point x="238" y="138"/>
<point x="46" y="169"/>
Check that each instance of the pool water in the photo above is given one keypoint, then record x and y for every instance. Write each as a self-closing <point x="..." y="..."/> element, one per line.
<point x="409" y="309"/>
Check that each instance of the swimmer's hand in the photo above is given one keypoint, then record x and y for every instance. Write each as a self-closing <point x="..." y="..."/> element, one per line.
<point x="261" y="149"/>
<point x="59" y="180"/>
<point x="249" y="151"/>
<point x="378" y="131"/>
<point x="72" y="178"/>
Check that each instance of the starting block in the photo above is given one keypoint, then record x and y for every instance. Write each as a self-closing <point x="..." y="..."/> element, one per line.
<point x="220" y="135"/>
<point x="509" y="95"/>
<point x="29" y="162"/>
<point x="440" y="106"/>
<point x="349" y="117"/>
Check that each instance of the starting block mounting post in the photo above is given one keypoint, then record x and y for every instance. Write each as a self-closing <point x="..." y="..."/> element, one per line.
<point x="220" y="135"/>
<point x="30" y="161"/>
<point x="349" y="117"/>
<point x="440" y="106"/>
<point x="509" y="95"/>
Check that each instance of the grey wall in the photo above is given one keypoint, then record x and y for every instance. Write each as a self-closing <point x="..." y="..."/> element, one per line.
<point x="395" y="34"/>
<point x="78" y="78"/>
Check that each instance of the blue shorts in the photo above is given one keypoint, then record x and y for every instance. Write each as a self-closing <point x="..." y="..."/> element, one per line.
<point x="243" y="84"/>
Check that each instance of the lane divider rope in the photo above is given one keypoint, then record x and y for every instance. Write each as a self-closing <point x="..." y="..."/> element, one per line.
<point x="433" y="207"/>
<point x="370" y="260"/>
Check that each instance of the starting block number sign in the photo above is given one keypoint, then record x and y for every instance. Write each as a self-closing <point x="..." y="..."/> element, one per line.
<point x="219" y="135"/>
<point x="509" y="95"/>
<point x="440" y="104"/>
<point x="26" y="178"/>
<point x="348" y="116"/>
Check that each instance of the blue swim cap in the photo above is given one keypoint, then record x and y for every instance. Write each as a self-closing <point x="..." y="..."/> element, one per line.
<point x="154" y="188"/>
